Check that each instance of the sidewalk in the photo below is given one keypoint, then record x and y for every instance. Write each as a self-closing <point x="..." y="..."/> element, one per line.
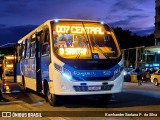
<point x="9" y="87"/>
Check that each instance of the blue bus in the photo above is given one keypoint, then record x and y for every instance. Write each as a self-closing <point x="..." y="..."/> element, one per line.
<point x="65" y="57"/>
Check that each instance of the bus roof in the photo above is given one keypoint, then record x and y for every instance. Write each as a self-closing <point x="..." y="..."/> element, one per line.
<point x="39" y="28"/>
<point x="74" y="20"/>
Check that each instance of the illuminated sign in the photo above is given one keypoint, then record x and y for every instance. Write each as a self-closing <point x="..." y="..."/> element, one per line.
<point x="79" y="29"/>
<point x="72" y="51"/>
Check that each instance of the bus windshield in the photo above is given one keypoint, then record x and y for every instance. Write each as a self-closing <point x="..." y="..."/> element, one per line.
<point x="83" y="40"/>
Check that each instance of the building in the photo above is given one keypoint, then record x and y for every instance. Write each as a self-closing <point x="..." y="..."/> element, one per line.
<point x="157" y="22"/>
<point x="150" y="56"/>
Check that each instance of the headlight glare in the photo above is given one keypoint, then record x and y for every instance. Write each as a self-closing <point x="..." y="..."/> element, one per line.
<point x="66" y="73"/>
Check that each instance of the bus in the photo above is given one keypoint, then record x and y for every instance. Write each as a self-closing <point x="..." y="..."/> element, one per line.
<point x="70" y="57"/>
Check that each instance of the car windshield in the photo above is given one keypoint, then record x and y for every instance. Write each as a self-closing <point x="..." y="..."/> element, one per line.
<point x="78" y="40"/>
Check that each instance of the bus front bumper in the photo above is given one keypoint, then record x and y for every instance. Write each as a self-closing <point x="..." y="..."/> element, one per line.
<point x="67" y="87"/>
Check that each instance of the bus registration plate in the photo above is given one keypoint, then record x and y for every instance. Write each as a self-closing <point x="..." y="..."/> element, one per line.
<point x="93" y="88"/>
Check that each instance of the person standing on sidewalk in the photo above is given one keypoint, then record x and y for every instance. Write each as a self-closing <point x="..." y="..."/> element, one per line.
<point x="138" y="70"/>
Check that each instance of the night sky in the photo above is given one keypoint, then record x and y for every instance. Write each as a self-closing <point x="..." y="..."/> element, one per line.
<point x="18" y="17"/>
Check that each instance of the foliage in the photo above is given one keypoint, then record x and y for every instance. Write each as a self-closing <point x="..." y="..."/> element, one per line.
<point x="127" y="39"/>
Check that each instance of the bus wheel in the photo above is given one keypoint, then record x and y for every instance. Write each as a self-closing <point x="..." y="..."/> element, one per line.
<point x="51" y="98"/>
<point x="105" y="99"/>
<point x="156" y="82"/>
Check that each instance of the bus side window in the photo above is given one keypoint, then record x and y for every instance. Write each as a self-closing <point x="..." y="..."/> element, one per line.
<point x="28" y="48"/>
<point x="45" y="44"/>
<point x="33" y="49"/>
<point x="45" y="49"/>
<point x="46" y="36"/>
<point x="24" y="49"/>
<point x="33" y="46"/>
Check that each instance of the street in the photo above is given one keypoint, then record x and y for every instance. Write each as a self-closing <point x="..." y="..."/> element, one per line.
<point x="134" y="98"/>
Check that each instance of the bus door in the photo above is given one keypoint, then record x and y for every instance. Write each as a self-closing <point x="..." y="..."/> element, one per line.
<point x="43" y="57"/>
<point x="38" y="63"/>
<point x="45" y="54"/>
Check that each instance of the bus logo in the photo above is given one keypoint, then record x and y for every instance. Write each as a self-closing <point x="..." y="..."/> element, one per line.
<point x="84" y="73"/>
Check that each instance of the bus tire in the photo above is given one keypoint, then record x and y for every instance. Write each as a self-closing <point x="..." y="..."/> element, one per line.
<point x="25" y="89"/>
<point x="156" y="82"/>
<point x="105" y="99"/>
<point x="52" y="99"/>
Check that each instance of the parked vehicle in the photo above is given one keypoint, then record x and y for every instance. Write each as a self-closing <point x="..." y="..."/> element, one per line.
<point x="155" y="78"/>
<point x="146" y="76"/>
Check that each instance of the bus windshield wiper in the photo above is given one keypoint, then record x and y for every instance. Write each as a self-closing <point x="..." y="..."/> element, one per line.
<point x="88" y="43"/>
<point x="101" y="51"/>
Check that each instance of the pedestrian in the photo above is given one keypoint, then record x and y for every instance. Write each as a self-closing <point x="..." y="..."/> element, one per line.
<point x="139" y="75"/>
<point x="148" y="76"/>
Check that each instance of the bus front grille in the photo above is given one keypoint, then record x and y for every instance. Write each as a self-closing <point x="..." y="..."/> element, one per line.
<point x="92" y="78"/>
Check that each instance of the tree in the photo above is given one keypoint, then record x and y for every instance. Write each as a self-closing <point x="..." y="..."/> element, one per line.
<point x="127" y="39"/>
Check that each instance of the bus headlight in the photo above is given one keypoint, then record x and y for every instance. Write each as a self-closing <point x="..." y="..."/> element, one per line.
<point x="66" y="73"/>
<point x="58" y="67"/>
<point x="118" y="71"/>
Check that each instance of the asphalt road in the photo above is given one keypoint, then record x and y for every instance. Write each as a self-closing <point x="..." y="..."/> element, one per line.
<point x="144" y="99"/>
